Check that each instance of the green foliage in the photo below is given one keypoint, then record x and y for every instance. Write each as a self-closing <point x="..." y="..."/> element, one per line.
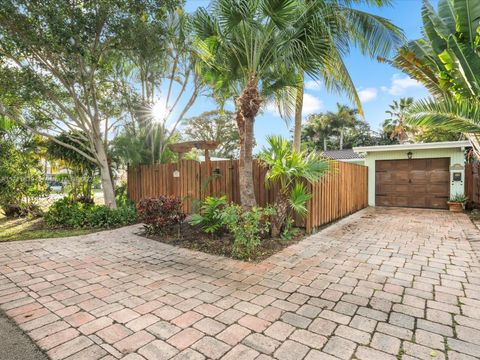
<point x="459" y="197"/>
<point x="75" y="214"/>
<point x="247" y="227"/>
<point x="289" y="230"/>
<point x="209" y="218"/>
<point x="289" y="168"/>
<point x="21" y="178"/>
<point x="160" y="215"/>
<point x="81" y="171"/>
<point x="447" y="61"/>
<point x="343" y="129"/>
<point x="217" y="126"/>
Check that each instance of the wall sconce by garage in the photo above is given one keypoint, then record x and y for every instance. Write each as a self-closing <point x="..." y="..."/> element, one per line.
<point x="409" y="155"/>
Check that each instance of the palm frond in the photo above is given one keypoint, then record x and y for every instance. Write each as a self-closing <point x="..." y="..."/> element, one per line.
<point x="448" y="114"/>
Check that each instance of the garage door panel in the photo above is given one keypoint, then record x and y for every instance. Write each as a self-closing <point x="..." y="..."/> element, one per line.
<point x="417" y="201"/>
<point x="412" y="183"/>
<point x="438" y="176"/>
<point x="437" y="202"/>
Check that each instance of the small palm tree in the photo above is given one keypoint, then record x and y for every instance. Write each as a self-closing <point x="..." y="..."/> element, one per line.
<point x="289" y="168"/>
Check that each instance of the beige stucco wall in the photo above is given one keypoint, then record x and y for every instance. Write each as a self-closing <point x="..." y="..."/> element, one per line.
<point x="455" y="154"/>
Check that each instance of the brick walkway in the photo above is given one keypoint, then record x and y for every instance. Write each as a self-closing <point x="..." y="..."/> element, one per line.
<point x="381" y="284"/>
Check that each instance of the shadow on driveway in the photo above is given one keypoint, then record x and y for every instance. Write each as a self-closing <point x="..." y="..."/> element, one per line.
<point x="14" y="344"/>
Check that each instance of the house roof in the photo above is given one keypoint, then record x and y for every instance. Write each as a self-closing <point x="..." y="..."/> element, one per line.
<point x="417" y="146"/>
<point x="345" y="154"/>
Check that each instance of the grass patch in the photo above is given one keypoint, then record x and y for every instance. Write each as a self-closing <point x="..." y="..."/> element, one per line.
<point x="27" y="229"/>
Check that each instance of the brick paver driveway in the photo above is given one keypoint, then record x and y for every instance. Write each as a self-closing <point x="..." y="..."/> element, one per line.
<point x="381" y="284"/>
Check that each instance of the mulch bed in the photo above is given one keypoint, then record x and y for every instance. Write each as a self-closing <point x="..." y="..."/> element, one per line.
<point x="193" y="238"/>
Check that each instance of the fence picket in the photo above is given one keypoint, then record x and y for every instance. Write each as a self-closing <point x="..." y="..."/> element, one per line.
<point x="339" y="193"/>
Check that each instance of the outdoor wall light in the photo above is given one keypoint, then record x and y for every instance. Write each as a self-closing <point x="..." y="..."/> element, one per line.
<point x="409" y="155"/>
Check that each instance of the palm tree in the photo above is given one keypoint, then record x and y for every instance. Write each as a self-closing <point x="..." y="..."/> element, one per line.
<point x="396" y="125"/>
<point x="447" y="62"/>
<point x="289" y="169"/>
<point x="317" y="131"/>
<point x="372" y="35"/>
<point x="252" y="50"/>
<point x="344" y="118"/>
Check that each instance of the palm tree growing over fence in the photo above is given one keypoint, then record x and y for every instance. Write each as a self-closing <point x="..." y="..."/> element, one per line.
<point x="373" y="35"/>
<point x="253" y="50"/>
<point x="289" y="169"/>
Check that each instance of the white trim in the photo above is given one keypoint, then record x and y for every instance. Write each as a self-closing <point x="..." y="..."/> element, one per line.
<point x="419" y="146"/>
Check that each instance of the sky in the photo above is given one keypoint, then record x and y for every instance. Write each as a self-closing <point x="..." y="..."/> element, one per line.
<point x="378" y="84"/>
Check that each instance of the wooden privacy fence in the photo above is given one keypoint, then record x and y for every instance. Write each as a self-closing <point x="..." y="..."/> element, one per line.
<point x="341" y="192"/>
<point x="472" y="183"/>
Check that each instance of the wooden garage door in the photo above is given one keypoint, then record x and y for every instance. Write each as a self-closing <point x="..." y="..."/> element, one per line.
<point x="423" y="183"/>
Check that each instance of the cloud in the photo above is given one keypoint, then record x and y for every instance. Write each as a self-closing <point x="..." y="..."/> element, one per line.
<point x="311" y="104"/>
<point x="400" y="84"/>
<point x="312" y="85"/>
<point x="367" y="94"/>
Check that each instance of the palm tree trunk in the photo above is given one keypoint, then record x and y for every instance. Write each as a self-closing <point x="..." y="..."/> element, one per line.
<point x="297" y="130"/>
<point x="248" y="105"/>
<point x="341" y="138"/>
<point x="324" y="143"/>
<point x="281" y="208"/>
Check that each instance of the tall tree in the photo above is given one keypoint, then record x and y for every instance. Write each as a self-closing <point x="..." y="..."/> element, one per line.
<point x="252" y="50"/>
<point x="396" y="125"/>
<point x="447" y="61"/>
<point x="217" y="126"/>
<point x="317" y="131"/>
<point x="57" y="60"/>
<point x="159" y="80"/>
<point x="371" y="34"/>
<point x="344" y="118"/>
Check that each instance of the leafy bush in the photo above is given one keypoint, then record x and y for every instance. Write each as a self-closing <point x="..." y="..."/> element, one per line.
<point x="161" y="214"/>
<point x="247" y="227"/>
<point x="75" y="214"/>
<point x="209" y="217"/>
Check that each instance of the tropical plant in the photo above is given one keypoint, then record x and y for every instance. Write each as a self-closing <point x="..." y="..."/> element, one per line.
<point x="459" y="197"/>
<point x="217" y="126"/>
<point x="160" y="215"/>
<point x="317" y="131"/>
<point x="252" y="51"/>
<point x="447" y="61"/>
<point x="344" y="118"/>
<point x="289" y="169"/>
<point x="159" y="79"/>
<point x="396" y="124"/>
<point x="247" y="227"/>
<point x="67" y="213"/>
<point x="209" y="218"/>
<point x="22" y="182"/>
<point x="80" y="171"/>
<point x="371" y="34"/>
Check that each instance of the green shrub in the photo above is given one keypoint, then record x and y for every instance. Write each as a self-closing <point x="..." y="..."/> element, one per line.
<point x="209" y="217"/>
<point x="161" y="214"/>
<point x="247" y="227"/>
<point x="74" y="214"/>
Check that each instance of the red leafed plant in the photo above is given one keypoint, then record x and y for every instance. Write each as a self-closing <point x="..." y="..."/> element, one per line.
<point x="160" y="215"/>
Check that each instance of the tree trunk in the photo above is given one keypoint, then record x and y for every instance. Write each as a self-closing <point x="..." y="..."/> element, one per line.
<point x="247" y="104"/>
<point x="324" y="144"/>
<point x="107" y="183"/>
<point x="341" y="138"/>
<point x="297" y="130"/>
<point x="281" y="207"/>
